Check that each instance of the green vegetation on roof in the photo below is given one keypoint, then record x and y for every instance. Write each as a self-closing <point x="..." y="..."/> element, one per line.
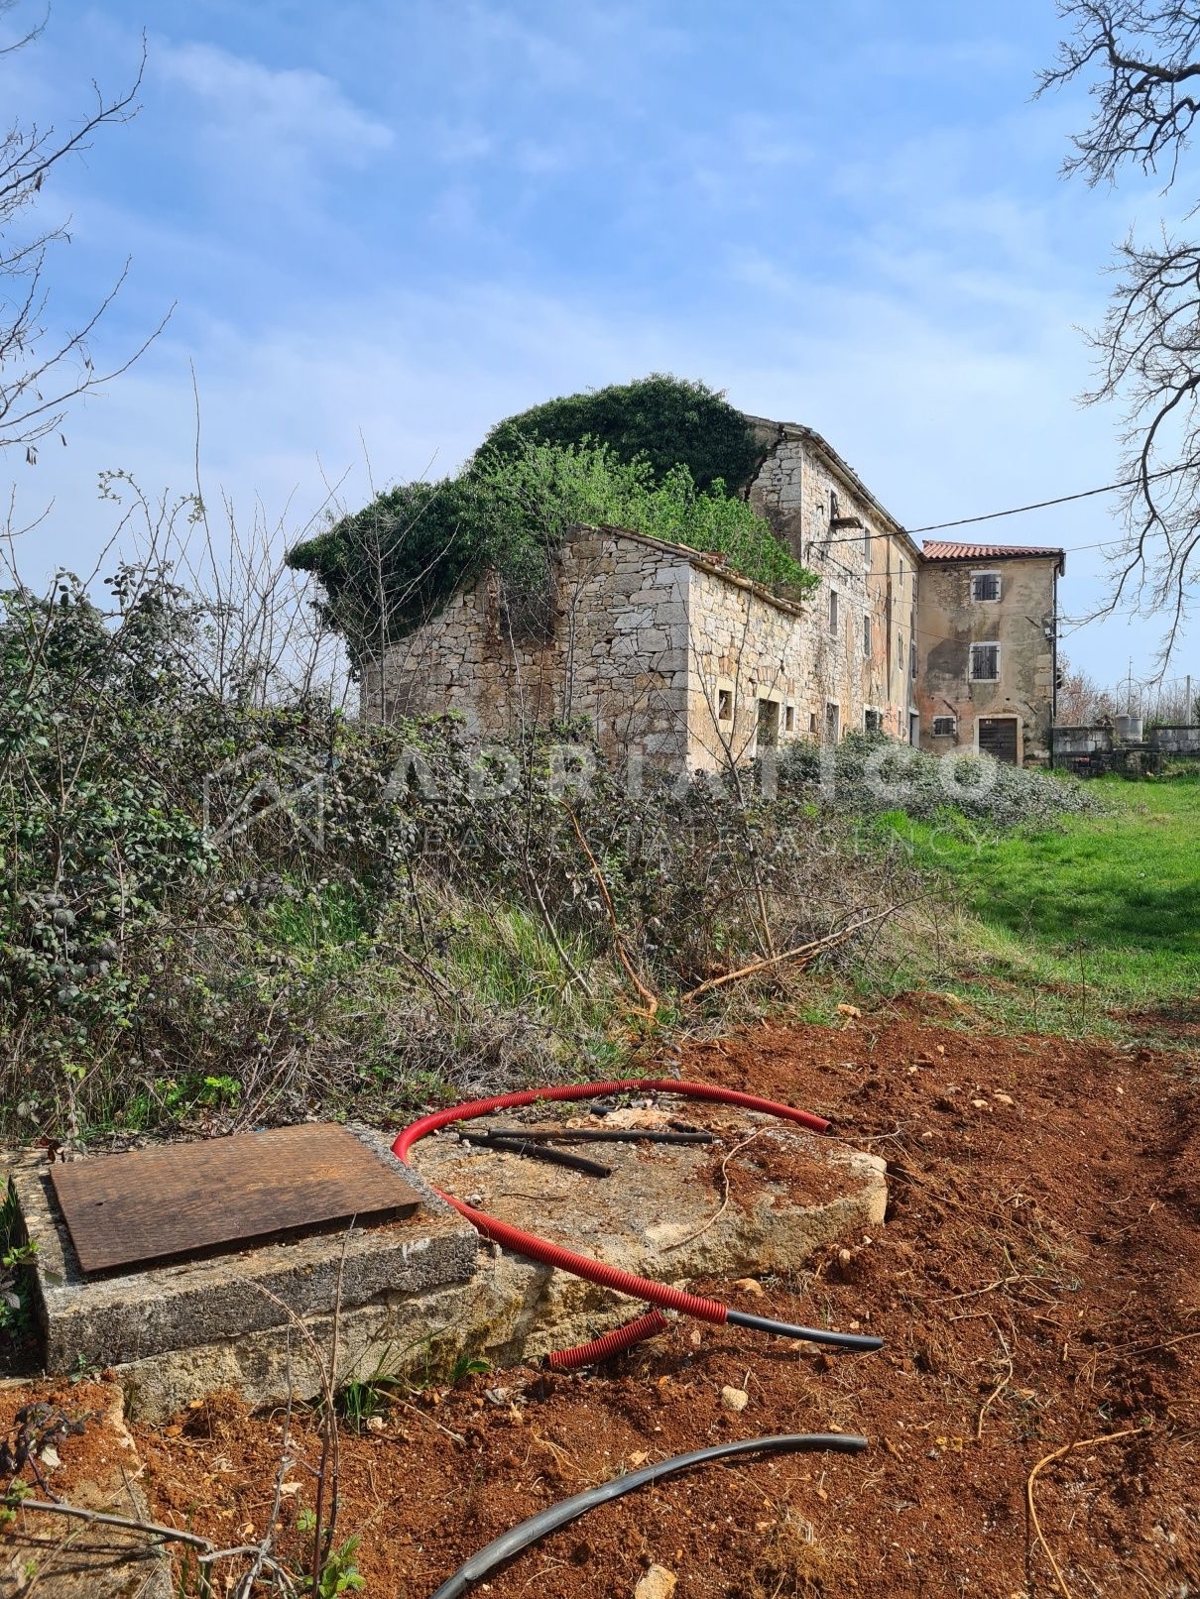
<point x="393" y="565"/>
<point x="664" y="420"/>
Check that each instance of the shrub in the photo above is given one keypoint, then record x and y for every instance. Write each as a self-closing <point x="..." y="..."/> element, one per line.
<point x="870" y="775"/>
<point x="662" y="420"/>
<point x="393" y="565"/>
<point x="222" y="915"/>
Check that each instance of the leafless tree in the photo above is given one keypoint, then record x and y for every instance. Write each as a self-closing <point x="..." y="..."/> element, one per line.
<point x="1141" y="59"/>
<point x="42" y="371"/>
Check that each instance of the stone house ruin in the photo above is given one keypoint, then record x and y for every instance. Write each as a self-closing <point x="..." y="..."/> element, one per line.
<point x="678" y="660"/>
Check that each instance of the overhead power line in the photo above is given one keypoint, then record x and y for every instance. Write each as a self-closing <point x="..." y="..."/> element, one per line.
<point x="1041" y="505"/>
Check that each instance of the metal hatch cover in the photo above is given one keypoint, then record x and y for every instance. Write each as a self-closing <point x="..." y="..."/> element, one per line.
<point x="218" y="1195"/>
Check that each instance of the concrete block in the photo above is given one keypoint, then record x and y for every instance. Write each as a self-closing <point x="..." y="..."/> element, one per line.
<point x="108" y="1321"/>
<point x="649" y="1218"/>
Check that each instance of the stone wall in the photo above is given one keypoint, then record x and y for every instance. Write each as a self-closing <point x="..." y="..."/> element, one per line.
<point x="615" y="651"/>
<point x="667" y="655"/>
<point x="744" y="649"/>
<point x="803" y="488"/>
<point x="1021" y="623"/>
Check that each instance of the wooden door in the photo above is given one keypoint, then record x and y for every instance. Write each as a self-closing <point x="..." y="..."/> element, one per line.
<point x="998" y="738"/>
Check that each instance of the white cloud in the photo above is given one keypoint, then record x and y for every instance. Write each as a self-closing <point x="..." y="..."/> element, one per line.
<point x="275" y="117"/>
<point x="940" y="421"/>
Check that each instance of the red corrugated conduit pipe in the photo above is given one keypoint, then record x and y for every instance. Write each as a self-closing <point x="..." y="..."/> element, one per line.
<point x="597" y="1271"/>
<point x="610" y="1343"/>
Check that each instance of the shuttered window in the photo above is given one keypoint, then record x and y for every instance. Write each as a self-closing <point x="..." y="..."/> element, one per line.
<point x="985" y="663"/>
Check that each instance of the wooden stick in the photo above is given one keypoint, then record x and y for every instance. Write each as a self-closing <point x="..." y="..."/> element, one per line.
<point x="650" y="999"/>
<point x="102" y="1519"/>
<point x="1047" y="1460"/>
<point x="830" y="941"/>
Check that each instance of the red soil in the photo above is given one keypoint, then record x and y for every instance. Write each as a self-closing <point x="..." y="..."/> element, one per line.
<point x="1038" y="1285"/>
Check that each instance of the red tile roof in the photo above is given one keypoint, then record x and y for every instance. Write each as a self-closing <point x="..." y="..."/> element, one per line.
<point x="936" y="550"/>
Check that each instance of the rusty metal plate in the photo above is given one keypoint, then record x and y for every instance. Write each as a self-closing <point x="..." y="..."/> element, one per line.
<point x="222" y="1194"/>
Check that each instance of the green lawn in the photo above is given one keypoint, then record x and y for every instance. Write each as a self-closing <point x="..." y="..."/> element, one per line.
<point x="1108" y="905"/>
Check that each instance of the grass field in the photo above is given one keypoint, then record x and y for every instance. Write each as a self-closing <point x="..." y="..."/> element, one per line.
<point x="1101" y="913"/>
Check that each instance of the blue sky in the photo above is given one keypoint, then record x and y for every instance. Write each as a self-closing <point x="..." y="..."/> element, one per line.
<point x="384" y="227"/>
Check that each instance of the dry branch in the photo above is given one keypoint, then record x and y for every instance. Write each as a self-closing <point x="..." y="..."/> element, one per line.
<point x="1047" y="1460"/>
<point x="651" y="1000"/>
<point x="805" y="952"/>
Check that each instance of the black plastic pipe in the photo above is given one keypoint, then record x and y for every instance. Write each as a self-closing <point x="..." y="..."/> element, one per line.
<point x="534" y="1151"/>
<point x="814" y="1335"/>
<point x="567" y="1510"/>
<point x="596" y="1135"/>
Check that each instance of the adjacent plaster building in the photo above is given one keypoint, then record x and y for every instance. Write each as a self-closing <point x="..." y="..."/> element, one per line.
<point x="987" y="648"/>
<point x="678" y="660"/>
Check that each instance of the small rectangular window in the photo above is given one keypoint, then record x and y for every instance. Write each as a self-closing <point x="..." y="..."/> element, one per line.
<point x="901" y="574"/>
<point x="768" y="724"/>
<point x="833" y="722"/>
<point x="985" y="586"/>
<point x="985" y="663"/>
<point x="789" y="719"/>
<point x="944" y="726"/>
<point x="867" y="545"/>
<point x="872" y="721"/>
<point x="833" y="506"/>
<point x="912" y="658"/>
<point x="724" y="705"/>
<point x="867" y="636"/>
<point x="833" y="611"/>
<point x="900" y="650"/>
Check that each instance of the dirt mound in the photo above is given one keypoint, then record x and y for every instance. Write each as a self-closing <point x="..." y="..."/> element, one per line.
<point x="1038" y="1285"/>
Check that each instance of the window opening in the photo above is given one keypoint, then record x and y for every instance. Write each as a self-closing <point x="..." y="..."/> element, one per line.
<point x="985" y="663"/>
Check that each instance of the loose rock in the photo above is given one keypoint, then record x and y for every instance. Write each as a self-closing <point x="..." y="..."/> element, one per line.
<point x="734" y="1398"/>
<point x="658" y="1583"/>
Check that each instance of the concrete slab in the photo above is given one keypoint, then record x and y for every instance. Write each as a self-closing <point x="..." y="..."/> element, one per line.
<point x="117" y="1319"/>
<point x="663" y="1214"/>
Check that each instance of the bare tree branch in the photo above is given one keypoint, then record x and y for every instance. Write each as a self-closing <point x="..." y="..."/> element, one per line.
<point x="1142" y="58"/>
<point x="40" y="373"/>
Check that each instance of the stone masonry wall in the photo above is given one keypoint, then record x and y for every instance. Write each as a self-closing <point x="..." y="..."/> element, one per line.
<point x="617" y="653"/>
<point x="800" y="489"/>
<point x="646" y="640"/>
<point x="744" y="649"/>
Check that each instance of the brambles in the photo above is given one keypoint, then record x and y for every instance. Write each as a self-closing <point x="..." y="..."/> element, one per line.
<point x="868" y="774"/>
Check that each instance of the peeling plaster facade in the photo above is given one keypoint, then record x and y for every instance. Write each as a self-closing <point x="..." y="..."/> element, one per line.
<point x="681" y="662"/>
<point x="987" y="651"/>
